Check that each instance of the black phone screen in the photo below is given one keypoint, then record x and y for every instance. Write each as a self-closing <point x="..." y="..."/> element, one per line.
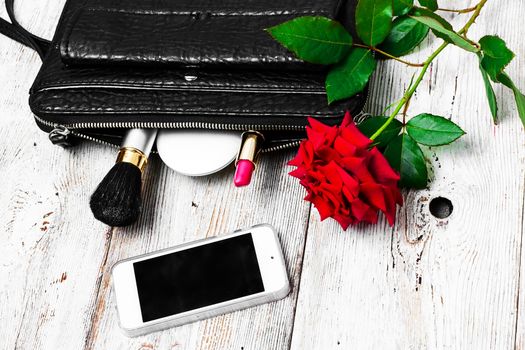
<point x="197" y="277"/>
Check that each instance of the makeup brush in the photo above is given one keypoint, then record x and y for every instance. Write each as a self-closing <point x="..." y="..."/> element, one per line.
<point x="117" y="201"/>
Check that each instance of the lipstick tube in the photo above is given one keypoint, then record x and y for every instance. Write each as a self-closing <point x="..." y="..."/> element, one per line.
<point x="246" y="159"/>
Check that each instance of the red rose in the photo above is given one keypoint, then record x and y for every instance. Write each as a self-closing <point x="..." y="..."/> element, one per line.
<point x="346" y="179"/>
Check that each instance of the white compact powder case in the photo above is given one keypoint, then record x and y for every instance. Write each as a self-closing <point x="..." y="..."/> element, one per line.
<point x="198" y="152"/>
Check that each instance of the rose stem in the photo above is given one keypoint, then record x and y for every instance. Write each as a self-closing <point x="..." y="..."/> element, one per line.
<point x="467" y="10"/>
<point x="408" y="94"/>
<point x="386" y="54"/>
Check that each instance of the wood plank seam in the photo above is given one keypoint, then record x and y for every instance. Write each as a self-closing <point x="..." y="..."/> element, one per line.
<point x="300" y="272"/>
<point x="519" y="272"/>
<point x="95" y="316"/>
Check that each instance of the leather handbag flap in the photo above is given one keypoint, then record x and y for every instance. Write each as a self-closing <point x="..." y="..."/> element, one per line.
<point x="104" y="99"/>
<point x="232" y="35"/>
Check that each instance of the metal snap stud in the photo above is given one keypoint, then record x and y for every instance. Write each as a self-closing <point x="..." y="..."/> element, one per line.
<point x="190" y="77"/>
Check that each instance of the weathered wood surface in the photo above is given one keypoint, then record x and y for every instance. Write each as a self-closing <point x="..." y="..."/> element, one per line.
<point x="425" y="284"/>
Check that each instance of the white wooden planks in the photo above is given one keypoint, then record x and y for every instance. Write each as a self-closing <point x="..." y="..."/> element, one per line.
<point x="429" y="283"/>
<point x="425" y="284"/>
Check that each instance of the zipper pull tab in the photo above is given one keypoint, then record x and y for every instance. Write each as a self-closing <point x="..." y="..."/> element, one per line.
<point x="60" y="136"/>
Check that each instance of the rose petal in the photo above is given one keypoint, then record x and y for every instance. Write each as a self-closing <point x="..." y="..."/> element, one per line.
<point x="323" y="207"/>
<point x="344" y="148"/>
<point x="390" y="211"/>
<point x="381" y="169"/>
<point x="333" y="174"/>
<point x="320" y="134"/>
<point x="319" y="126"/>
<point x="374" y="195"/>
<point x="305" y="154"/>
<point x="299" y="173"/>
<point x="352" y="134"/>
<point x="348" y="194"/>
<point x="347" y="119"/>
<point x="371" y="216"/>
<point x="343" y="178"/>
<point x="349" y="181"/>
<point x="316" y="138"/>
<point x="359" y="209"/>
<point x="327" y="154"/>
<point x="344" y="221"/>
<point x="361" y="172"/>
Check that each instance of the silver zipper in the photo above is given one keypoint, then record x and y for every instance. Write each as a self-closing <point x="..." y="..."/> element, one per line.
<point x="70" y="129"/>
<point x="279" y="147"/>
<point x="93" y="139"/>
<point x="172" y="125"/>
<point x="282" y="146"/>
<point x="61" y="132"/>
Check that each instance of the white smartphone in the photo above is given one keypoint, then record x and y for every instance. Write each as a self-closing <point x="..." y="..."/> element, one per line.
<point x="200" y="279"/>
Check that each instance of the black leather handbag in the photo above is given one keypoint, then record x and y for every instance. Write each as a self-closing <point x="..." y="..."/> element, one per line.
<point x="119" y="64"/>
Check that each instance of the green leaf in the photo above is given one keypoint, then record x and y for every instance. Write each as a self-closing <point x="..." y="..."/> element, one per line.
<point x="442" y="29"/>
<point x="491" y="96"/>
<point x="351" y="75"/>
<point x="520" y="104"/>
<point x="402" y="7"/>
<point x="504" y="79"/>
<point x="314" y="39"/>
<point x="433" y="130"/>
<point x="370" y="125"/>
<point x="496" y="55"/>
<point x="518" y="96"/>
<point x="406" y="34"/>
<point x="405" y="156"/>
<point x="373" y="20"/>
<point x="429" y="4"/>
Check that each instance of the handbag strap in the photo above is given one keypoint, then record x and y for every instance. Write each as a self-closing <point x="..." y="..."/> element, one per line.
<point x="16" y="32"/>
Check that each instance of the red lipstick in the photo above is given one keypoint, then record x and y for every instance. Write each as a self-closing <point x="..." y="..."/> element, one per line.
<point x="248" y="153"/>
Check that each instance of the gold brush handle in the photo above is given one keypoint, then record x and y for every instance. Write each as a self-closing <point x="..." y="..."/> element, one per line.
<point x="137" y="146"/>
<point x="133" y="156"/>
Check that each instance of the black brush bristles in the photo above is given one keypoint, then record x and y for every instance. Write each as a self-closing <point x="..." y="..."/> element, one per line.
<point x="117" y="201"/>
